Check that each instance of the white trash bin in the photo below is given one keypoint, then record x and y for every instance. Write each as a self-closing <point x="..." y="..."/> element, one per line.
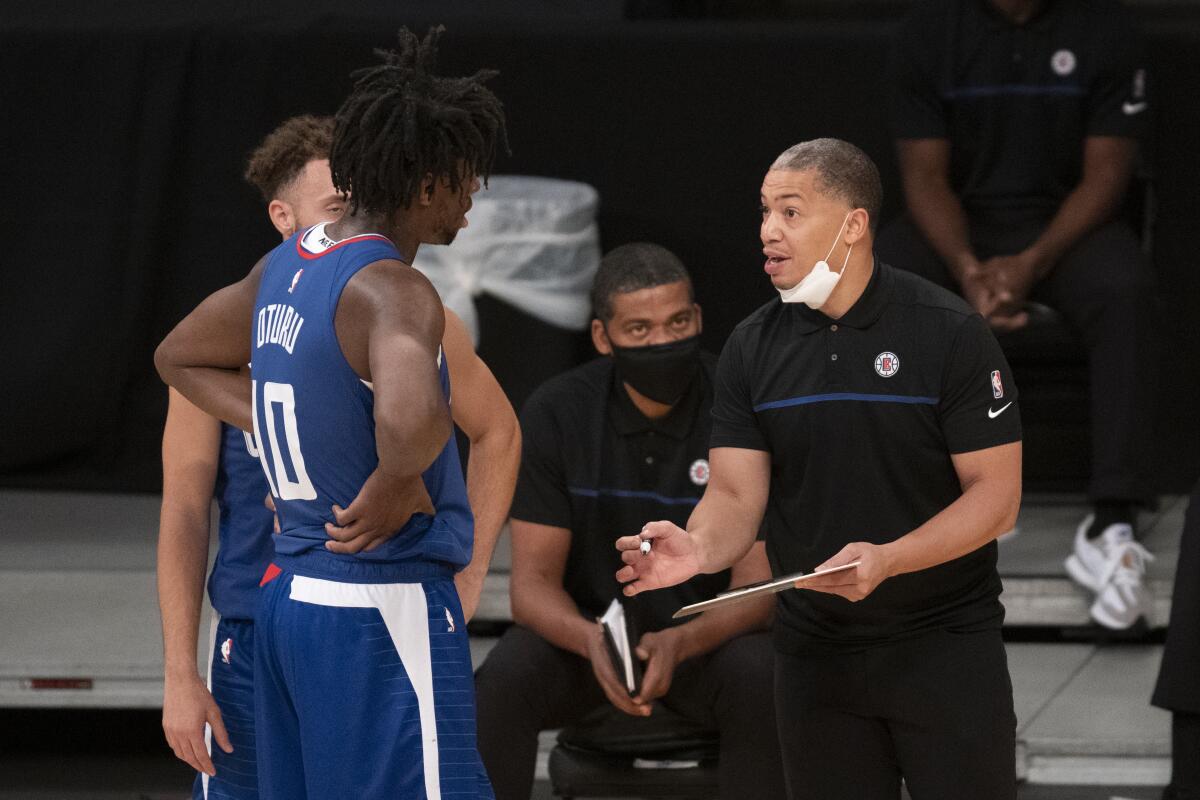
<point x="532" y="243"/>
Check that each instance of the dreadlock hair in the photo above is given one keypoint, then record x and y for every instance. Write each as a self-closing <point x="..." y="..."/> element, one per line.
<point x="402" y="122"/>
<point x="285" y="152"/>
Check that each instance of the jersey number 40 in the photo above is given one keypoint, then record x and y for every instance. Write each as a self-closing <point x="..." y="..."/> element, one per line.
<point x="282" y="484"/>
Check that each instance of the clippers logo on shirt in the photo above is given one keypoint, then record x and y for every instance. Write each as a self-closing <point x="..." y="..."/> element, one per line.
<point x="1063" y="62"/>
<point x="887" y="364"/>
<point x="699" y="472"/>
<point x="997" y="386"/>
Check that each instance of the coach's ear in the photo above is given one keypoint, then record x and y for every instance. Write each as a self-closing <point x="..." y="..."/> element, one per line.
<point x="600" y="338"/>
<point x="282" y="217"/>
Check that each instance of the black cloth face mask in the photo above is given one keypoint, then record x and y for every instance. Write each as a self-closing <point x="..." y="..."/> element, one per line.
<point x="662" y="372"/>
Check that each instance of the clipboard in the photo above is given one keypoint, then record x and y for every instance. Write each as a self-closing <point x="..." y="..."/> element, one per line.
<point x="755" y="589"/>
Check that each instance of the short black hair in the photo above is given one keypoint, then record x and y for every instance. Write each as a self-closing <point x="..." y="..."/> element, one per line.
<point x="402" y="122"/>
<point x="286" y="151"/>
<point x="843" y="171"/>
<point x="634" y="266"/>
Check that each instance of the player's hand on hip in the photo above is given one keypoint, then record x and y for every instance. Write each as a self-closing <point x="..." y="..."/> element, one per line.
<point x="381" y="509"/>
<point x="187" y="706"/>
<point x="662" y="653"/>
<point x="269" y="503"/>
<point x="470" y="588"/>
<point x="613" y="686"/>
<point x="873" y="568"/>
<point x="674" y="557"/>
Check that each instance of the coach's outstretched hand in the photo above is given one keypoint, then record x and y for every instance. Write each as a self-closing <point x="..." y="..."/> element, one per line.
<point x="673" y="559"/>
<point x="382" y="507"/>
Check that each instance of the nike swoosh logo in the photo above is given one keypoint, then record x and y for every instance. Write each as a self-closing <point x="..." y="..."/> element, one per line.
<point x="993" y="414"/>
<point x="1133" y="108"/>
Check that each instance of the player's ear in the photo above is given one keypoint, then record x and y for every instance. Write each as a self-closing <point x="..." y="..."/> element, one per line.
<point x="425" y="196"/>
<point x="699" y="318"/>
<point x="600" y="338"/>
<point x="282" y="217"/>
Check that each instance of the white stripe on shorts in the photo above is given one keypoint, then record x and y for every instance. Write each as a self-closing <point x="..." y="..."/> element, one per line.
<point x="405" y="612"/>
<point x="212" y="651"/>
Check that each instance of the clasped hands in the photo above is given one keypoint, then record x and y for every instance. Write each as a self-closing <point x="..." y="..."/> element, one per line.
<point x="997" y="287"/>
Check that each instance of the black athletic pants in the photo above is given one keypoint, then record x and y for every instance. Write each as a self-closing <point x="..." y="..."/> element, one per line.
<point x="1104" y="288"/>
<point x="527" y="685"/>
<point x="935" y="711"/>
<point x="1178" y="687"/>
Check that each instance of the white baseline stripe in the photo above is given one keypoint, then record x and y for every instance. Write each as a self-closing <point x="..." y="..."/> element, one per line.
<point x="405" y="612"/>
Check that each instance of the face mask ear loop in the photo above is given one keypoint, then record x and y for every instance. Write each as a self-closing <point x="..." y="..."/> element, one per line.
<point x="835" y="241"/>
<point x="847" y="261"/>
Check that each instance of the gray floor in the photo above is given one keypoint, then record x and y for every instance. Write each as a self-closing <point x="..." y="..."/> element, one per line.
<point x="77" y="601"/>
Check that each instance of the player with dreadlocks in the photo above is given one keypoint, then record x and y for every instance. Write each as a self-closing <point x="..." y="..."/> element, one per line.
<point x="362" y="669"/>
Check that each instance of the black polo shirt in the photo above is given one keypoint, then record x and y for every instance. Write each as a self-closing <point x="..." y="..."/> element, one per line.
<point x="1017" y="101"/>
<point x="593" y="464"/>
<point x="860" y="416"/>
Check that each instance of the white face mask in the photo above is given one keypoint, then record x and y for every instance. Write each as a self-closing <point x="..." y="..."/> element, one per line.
<point x="819" y="283"/>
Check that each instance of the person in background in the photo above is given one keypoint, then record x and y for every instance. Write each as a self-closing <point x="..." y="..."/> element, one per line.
<point x="1016" y="124"/>
<point x="606" y="445"/>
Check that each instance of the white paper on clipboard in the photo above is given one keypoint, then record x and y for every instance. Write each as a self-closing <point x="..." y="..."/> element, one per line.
<point x="753" y="590"/>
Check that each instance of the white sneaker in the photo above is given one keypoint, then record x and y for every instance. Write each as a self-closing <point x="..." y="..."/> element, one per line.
<point x="1112" y="565"/>
<point x="1125" y="597"/>
<point x="1091" y="564"/>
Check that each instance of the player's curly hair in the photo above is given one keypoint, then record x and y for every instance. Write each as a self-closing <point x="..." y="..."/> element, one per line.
<point x="402" y="122"/>
<point x="283" y="154"/>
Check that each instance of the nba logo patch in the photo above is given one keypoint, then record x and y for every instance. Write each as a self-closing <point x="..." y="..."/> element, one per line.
<point x="226" y="650"/>
<point x="997" y="386"/>
<point x="887" y="364"/>
<point x="295" y="280"/>
<point x="451" y="628"/>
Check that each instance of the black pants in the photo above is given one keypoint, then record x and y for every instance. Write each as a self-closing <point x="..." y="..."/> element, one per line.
<point x="527" y="685"/>
<point x="1105" y="289"/>
<point x="1178" y="687"/>
<point x="936" y="711"/>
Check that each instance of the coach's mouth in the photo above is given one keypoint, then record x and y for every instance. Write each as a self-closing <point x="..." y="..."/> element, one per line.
<point x="776" y="262"/>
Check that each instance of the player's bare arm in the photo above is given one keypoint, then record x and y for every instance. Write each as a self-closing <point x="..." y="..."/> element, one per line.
<point x="203" y="356"/>
<point x="480" y="407"/>
<point x="988" y="506"/>
<point x="542" y="604"/>
<point x="719" y="533"/>
<point x="190" y="451"/>
<point x="390" y="324"/>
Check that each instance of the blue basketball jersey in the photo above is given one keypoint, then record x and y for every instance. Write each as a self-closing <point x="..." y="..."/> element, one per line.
<point x="245" y="545"/>
<point x="314" y="420"/>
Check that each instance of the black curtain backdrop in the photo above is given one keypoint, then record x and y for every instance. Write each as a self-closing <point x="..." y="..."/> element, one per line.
<point x="124" y="139"/>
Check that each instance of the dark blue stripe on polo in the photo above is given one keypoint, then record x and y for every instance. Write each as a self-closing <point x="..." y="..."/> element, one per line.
<point x="630" y="494"/>
<point x="1017" y="89"/>
<point x="836" y="396"/>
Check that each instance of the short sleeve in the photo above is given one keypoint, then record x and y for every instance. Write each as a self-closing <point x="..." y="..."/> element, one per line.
<point x="1117" y="103"/>
<point x="978" y="407"/>
<point x="915" y="104"/>
<point x="541" y="495"/>
<point x="734" y="421"/>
